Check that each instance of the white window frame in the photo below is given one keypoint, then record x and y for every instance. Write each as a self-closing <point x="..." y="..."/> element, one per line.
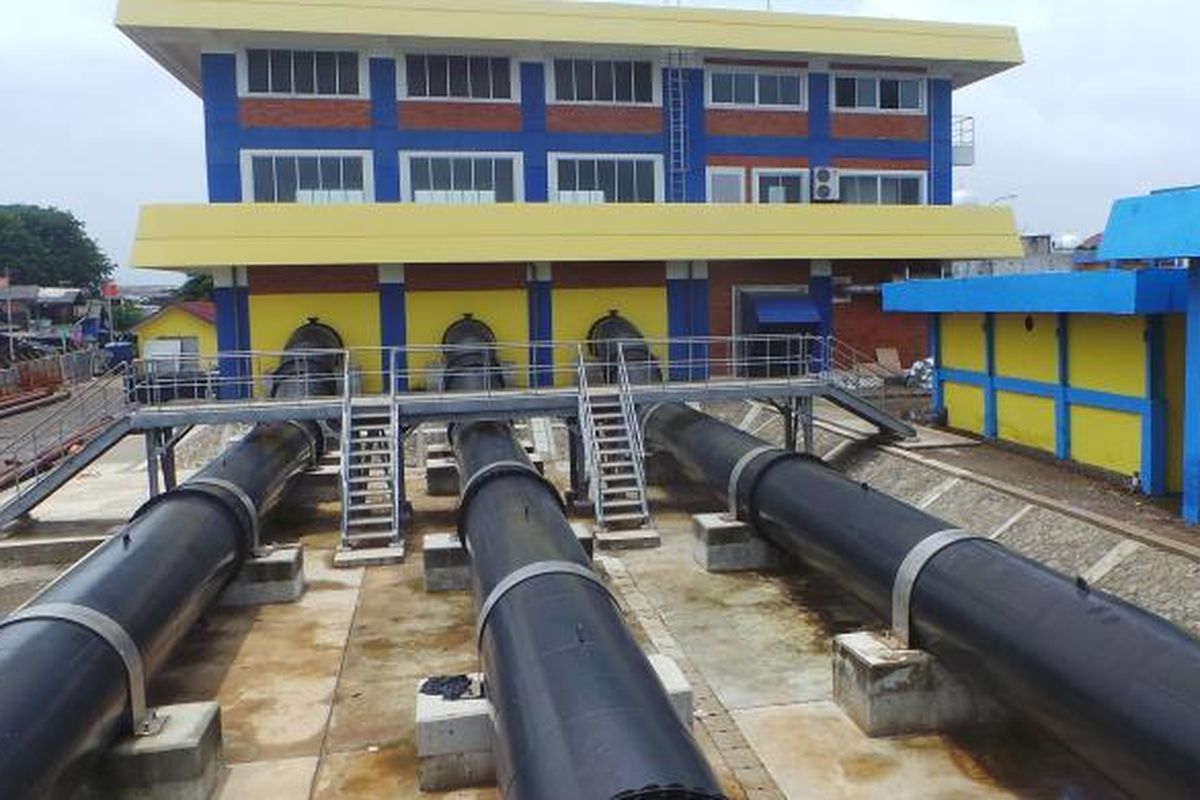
<point x="922" y="82"/>
<point x="406" y="157"/>
<point x="710" y="69"/>
<point x="712" y="172"/>
<point x="247" y="166"/>
<point x="552" y="160"/>
<point x="514" y="78"/>
<point x="889" y="173"/>
<point x="802" y="172"/>
<point x="242" y="56"/>
<point x="551" y="81"/>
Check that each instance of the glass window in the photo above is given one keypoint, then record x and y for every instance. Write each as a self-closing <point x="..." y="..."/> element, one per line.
<point x="460" y="84"/>
<point x="727" y="187"/>
<point x="417" y="76"/>
<point x="505" y="182"/>
<point x="327" y="82"/>
<point x="643" y="82"/>
<point x="910" y="191"/>
<point x="781" y="187"/>
<point x="623" y="81"/>
<point x="791" y="91"/>
<point x="347" y="73"/>
<point x="304" y="65"/>
<point x="477" y="77"/>
<point x="887" y="94"/>
<point x="441" y="168"/>
<point x="910" y="94"/>
<point x="307" y="179"/>
<point x="564" y="79"/>
<point x="722" y="87"/>
<point x="439" y="76"/>
<point x="281" y="71"/>
<point x="882" y="189"/>
<point x="768" y="90"/>
<point x="501" y="79"/>
<point x="422" y="180"/>
<point x="743" y="88"/>
<point x="481" y="77"/>
<point x="258" y="65"/>
<point x="583" y="80"/>
<point x="750" y="87"/>
<point x="607" y="180"/>
<point x="846" y="94"/>
<point x="471" y="179"/>
<point x="604" y="81"/>
<point x="645" y="182"/>
<point x="567" y="175"/>
<point x="626" y="182"/>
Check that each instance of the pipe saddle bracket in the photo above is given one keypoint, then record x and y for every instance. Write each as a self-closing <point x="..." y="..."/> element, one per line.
<point x="910" y="570"/>
<point x="144" y="722"/>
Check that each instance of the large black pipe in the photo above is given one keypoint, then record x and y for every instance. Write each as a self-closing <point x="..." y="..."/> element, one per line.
<point x="1118" y="685"/>
<point x="579" y="710"/>
<point x="63" y="691"/>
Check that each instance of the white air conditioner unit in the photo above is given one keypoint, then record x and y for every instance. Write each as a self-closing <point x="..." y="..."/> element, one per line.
<point x="827" y="186"/>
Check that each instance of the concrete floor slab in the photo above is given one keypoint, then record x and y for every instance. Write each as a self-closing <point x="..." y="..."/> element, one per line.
<point x="388" y="772"/>
<point x="289" y="779"/>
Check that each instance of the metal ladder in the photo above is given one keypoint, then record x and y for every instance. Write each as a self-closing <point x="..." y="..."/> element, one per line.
<point x="677" y="139"/>
<point x="616" y="477"/>
<point x="371" y="471"/>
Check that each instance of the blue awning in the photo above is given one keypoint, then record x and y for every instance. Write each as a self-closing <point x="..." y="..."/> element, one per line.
<point x="774" y="308"/>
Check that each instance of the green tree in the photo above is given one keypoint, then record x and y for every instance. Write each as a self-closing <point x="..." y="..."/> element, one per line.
<point x="50" y="247"/>
<point x="198" y="286"/>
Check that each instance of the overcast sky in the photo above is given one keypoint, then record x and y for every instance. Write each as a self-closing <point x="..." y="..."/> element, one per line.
<point x="1107" y="105"/>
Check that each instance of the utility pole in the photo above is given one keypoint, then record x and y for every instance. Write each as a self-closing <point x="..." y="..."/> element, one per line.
<point x="12" y="357"/>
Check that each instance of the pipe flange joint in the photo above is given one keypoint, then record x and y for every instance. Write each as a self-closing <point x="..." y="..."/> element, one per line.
<point x="527" y="573"/>
<point x="910" y="570"/>
<point x="246" y="502"/>
<point x="732" y="491"/>
<point x="144" y="722"/>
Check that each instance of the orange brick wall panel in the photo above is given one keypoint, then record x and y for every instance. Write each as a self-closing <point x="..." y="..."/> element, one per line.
<point x="603" y="119"/>
<point x="451" y="116"/>
<point x="304" y="113"/>
<point x="721" y="122"/>
<point x="911" y="164"/>
<point x="313" y="280"/>
<point x="906" y="127"/>
<point x="463" y="277"/>
<point x="608" y="274"/>
<point x="863" y="324"/>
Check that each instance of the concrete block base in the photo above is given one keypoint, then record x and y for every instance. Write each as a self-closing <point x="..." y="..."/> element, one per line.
<point x="722" y="544"/>
<point x="455" y="737"/>
<point x="636" y="539"/>
<point x="893" y="692"/>
<point x="277" y="577"/>
<point x="448" y="567"/>
<point x="184" y="761"/>
<point x="441" y="477"/>
<point x="352" y="558"/>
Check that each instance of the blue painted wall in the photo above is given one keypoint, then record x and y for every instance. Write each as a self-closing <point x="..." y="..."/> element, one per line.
<point x="225" y="138"/>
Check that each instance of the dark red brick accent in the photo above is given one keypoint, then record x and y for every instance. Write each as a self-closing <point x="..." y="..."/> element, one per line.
<point x="757" y="62"/>
<point x="724" y="275"/>
<point x="909" y="127"/>
<point x="721" y="122"/>
<point x="304" y="113"/>
<point x="915" y="164"/>
<point x="603" y="119"/>
<point x="609" y="274"/>
<point x="864" y="325"/>
<point x="313" y="280"/>
<point x="451" y="116"/>
<point x="463" y="277"/>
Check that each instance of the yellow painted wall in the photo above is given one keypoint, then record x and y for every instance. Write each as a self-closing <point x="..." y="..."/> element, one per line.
<point x="964" y="406"/>
<point x="1174" y="329"/>
<point x="962" y="342"/>
<point x="173" y="323"/>
<point x="1107" y="439"/>
<point x="273" y="318"/>
<point x="1107" y="353"/>
<point x="1030" y="354"/>
<point x="428" y="314"/>
<point x="575" y="311"/>
<point x="1025" y="419"/>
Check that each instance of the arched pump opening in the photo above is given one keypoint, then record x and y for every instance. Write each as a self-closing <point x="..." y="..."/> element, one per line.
<point x="64" y="695"/>
<point x="579" y="711"/>
<point x="613" y="338"/>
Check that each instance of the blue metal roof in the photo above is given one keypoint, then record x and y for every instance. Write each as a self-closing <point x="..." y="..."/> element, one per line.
<point x="784" y="309"/>
<point x="1161" y="225"/>
<point x="1145" y="291"/>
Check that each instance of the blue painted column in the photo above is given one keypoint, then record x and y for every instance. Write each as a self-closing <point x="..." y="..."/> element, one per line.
<point x="933" y="339"/>
<point x="393" y="321"/>
<point x="231" y="297"/>
<point x="385" y="119"/>
<point x="990" y="425"/>
<point x="1062" y="407"/>
<point x="1191" y="401"/>
<point x="540" y="288"/>
<point x="1154" y="419"/>
<point x="533" y="132"/>
<point x="697" y="138"/>
<point x="218" y="76"/>
<point x="941" y="149"/>
<point x="679" y="318"/>
<point x="820" y="290"/>
<point x="820" y="130"/>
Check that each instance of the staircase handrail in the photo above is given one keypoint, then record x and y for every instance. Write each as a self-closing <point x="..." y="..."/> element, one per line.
<point x="629" y="413"/>
<point x="590" y="447"/>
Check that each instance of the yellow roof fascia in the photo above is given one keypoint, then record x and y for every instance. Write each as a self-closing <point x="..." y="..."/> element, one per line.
<point x="993" y="48"/>
<point x="197" y="237"/>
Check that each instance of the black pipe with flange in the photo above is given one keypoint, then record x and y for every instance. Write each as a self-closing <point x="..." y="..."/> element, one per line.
<point x="1117" y="684"/>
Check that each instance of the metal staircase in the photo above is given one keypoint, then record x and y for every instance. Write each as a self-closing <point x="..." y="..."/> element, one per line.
<point x="372" y="471"/>
<point x="612" y="444"/>
<point x="677" y="124"/>
<point x="60" y="446"/>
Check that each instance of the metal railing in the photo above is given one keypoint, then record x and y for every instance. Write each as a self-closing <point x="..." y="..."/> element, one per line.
<point x="64" y="369"/>
<point x="591" y="448"/>
<point x="246" y="377"/>
<point x="39" y="449"/>
<point x="344" y="446"/>
<point x="632" y="425"/>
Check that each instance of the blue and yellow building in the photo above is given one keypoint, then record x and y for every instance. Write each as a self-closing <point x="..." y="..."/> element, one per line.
<point x="388" y="167"/>
<point x="1096" y="367"/>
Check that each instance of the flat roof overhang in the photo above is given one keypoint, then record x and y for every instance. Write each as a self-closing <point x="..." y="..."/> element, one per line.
<point x="1114" y="291"/>
<point x="197" y="237"/>
<point x="176" y="32"/>
<point x="1160" y="225"/>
